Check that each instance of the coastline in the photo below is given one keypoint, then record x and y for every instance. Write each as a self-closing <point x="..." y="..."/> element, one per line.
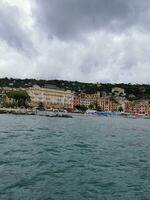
<point x="47" y="113"/>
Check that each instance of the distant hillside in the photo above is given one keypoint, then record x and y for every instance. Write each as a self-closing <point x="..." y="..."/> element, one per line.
<point x="139" y="91"/>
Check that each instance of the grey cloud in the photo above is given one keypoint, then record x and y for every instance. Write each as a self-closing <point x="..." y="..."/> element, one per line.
<point x="11" y="30"/>
<point x="115" y="46"/>
<point x="68" y="19"/>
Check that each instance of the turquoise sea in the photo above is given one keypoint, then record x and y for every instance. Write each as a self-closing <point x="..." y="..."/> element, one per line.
<point x="80" y="158"/>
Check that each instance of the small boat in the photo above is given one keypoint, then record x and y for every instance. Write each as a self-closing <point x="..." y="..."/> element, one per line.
<point x="62" y="115"/>
<point x="3" y="111"/>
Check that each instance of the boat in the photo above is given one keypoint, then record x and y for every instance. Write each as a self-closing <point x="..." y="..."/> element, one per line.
<point x="61" y="115"/>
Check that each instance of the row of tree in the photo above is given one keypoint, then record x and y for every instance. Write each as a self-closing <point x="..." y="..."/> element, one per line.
<point x="93" y="106"/>
<point x="17" y="99"/>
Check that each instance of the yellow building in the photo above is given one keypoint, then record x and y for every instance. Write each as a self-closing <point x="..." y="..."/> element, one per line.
<point x="107" y="105"/>
<point x="51" y="98"/>
<point x="87" y="99"/>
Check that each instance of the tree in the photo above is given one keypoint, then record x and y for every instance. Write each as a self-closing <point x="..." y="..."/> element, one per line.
<point x="92" y="106"/>
<point x="99" y="108"/>
<point x="81" y="108"/>
<point x="120" y="109"/>
<point x="21" y="98"/>
<point x="41" y="106"/>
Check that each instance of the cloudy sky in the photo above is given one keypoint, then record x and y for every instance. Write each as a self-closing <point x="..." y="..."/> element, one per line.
<point x="84" y="40"/>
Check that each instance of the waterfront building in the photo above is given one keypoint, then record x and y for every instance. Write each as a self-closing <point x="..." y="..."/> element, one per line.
<point x="129" y="107"/>
<point x="142" y="107"/>
<point x="138" y="107"/>
<point x="107" y="105"/>
<point x="103" y="102"/>
<point x="50" y="97"/>
<point x="76" y="101"/>
<point x="88" y="99"/>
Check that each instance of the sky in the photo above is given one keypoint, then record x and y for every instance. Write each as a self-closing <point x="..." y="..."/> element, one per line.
<point x="82" y="40"/>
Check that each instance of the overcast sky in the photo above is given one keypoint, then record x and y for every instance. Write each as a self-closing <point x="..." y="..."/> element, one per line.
<point x="84" y="40"/>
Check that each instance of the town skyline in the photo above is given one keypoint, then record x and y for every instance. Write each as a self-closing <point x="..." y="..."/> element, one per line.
<point x="51" y="98"/>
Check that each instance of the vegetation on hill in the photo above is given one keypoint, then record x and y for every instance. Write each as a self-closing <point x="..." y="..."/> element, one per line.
<point x="133" y="91"/>
<point x="20" y="98"/>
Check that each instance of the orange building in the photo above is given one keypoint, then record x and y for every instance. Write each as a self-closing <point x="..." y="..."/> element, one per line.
<point x="76" y="101"/>
<point x="107" y="105"/>
<point x="138" y="107"/>
<point x="129" y="108"/>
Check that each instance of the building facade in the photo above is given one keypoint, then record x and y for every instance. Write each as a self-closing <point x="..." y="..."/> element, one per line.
<point x="107" y="105"/>
<point x="138" y="107"/>
<point x="50" y="98"/>
<point x="76" y="101"/>
<point x="88" y="99"/>
<point x="87" y="102"/>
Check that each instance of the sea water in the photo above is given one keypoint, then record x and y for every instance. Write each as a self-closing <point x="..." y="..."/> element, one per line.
<point x="80" y="158"/>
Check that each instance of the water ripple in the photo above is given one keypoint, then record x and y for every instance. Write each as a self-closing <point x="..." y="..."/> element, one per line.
<point x="85" y="158"/>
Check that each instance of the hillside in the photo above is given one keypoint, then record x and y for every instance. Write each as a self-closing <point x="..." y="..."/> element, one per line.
<point x="139" y="91"/>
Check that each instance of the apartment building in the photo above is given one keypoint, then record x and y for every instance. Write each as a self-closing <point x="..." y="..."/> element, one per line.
<point x="76" y="101"/>
<point x="50" y="97"/>
<point x="88" y="99"/>
<point x="107" y="105"/>
<point x="139" y="107"/>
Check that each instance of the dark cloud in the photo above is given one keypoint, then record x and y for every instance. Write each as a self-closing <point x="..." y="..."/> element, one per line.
<point x="71" y="18"/>
<point x="11" y="31"/>
<point x="85" y="40"/>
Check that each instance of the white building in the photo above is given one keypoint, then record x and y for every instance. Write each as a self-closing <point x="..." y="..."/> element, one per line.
<point x="118" y="91"/>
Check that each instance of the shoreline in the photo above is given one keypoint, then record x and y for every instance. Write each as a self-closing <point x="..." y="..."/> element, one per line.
<point x="18" y="111"/>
